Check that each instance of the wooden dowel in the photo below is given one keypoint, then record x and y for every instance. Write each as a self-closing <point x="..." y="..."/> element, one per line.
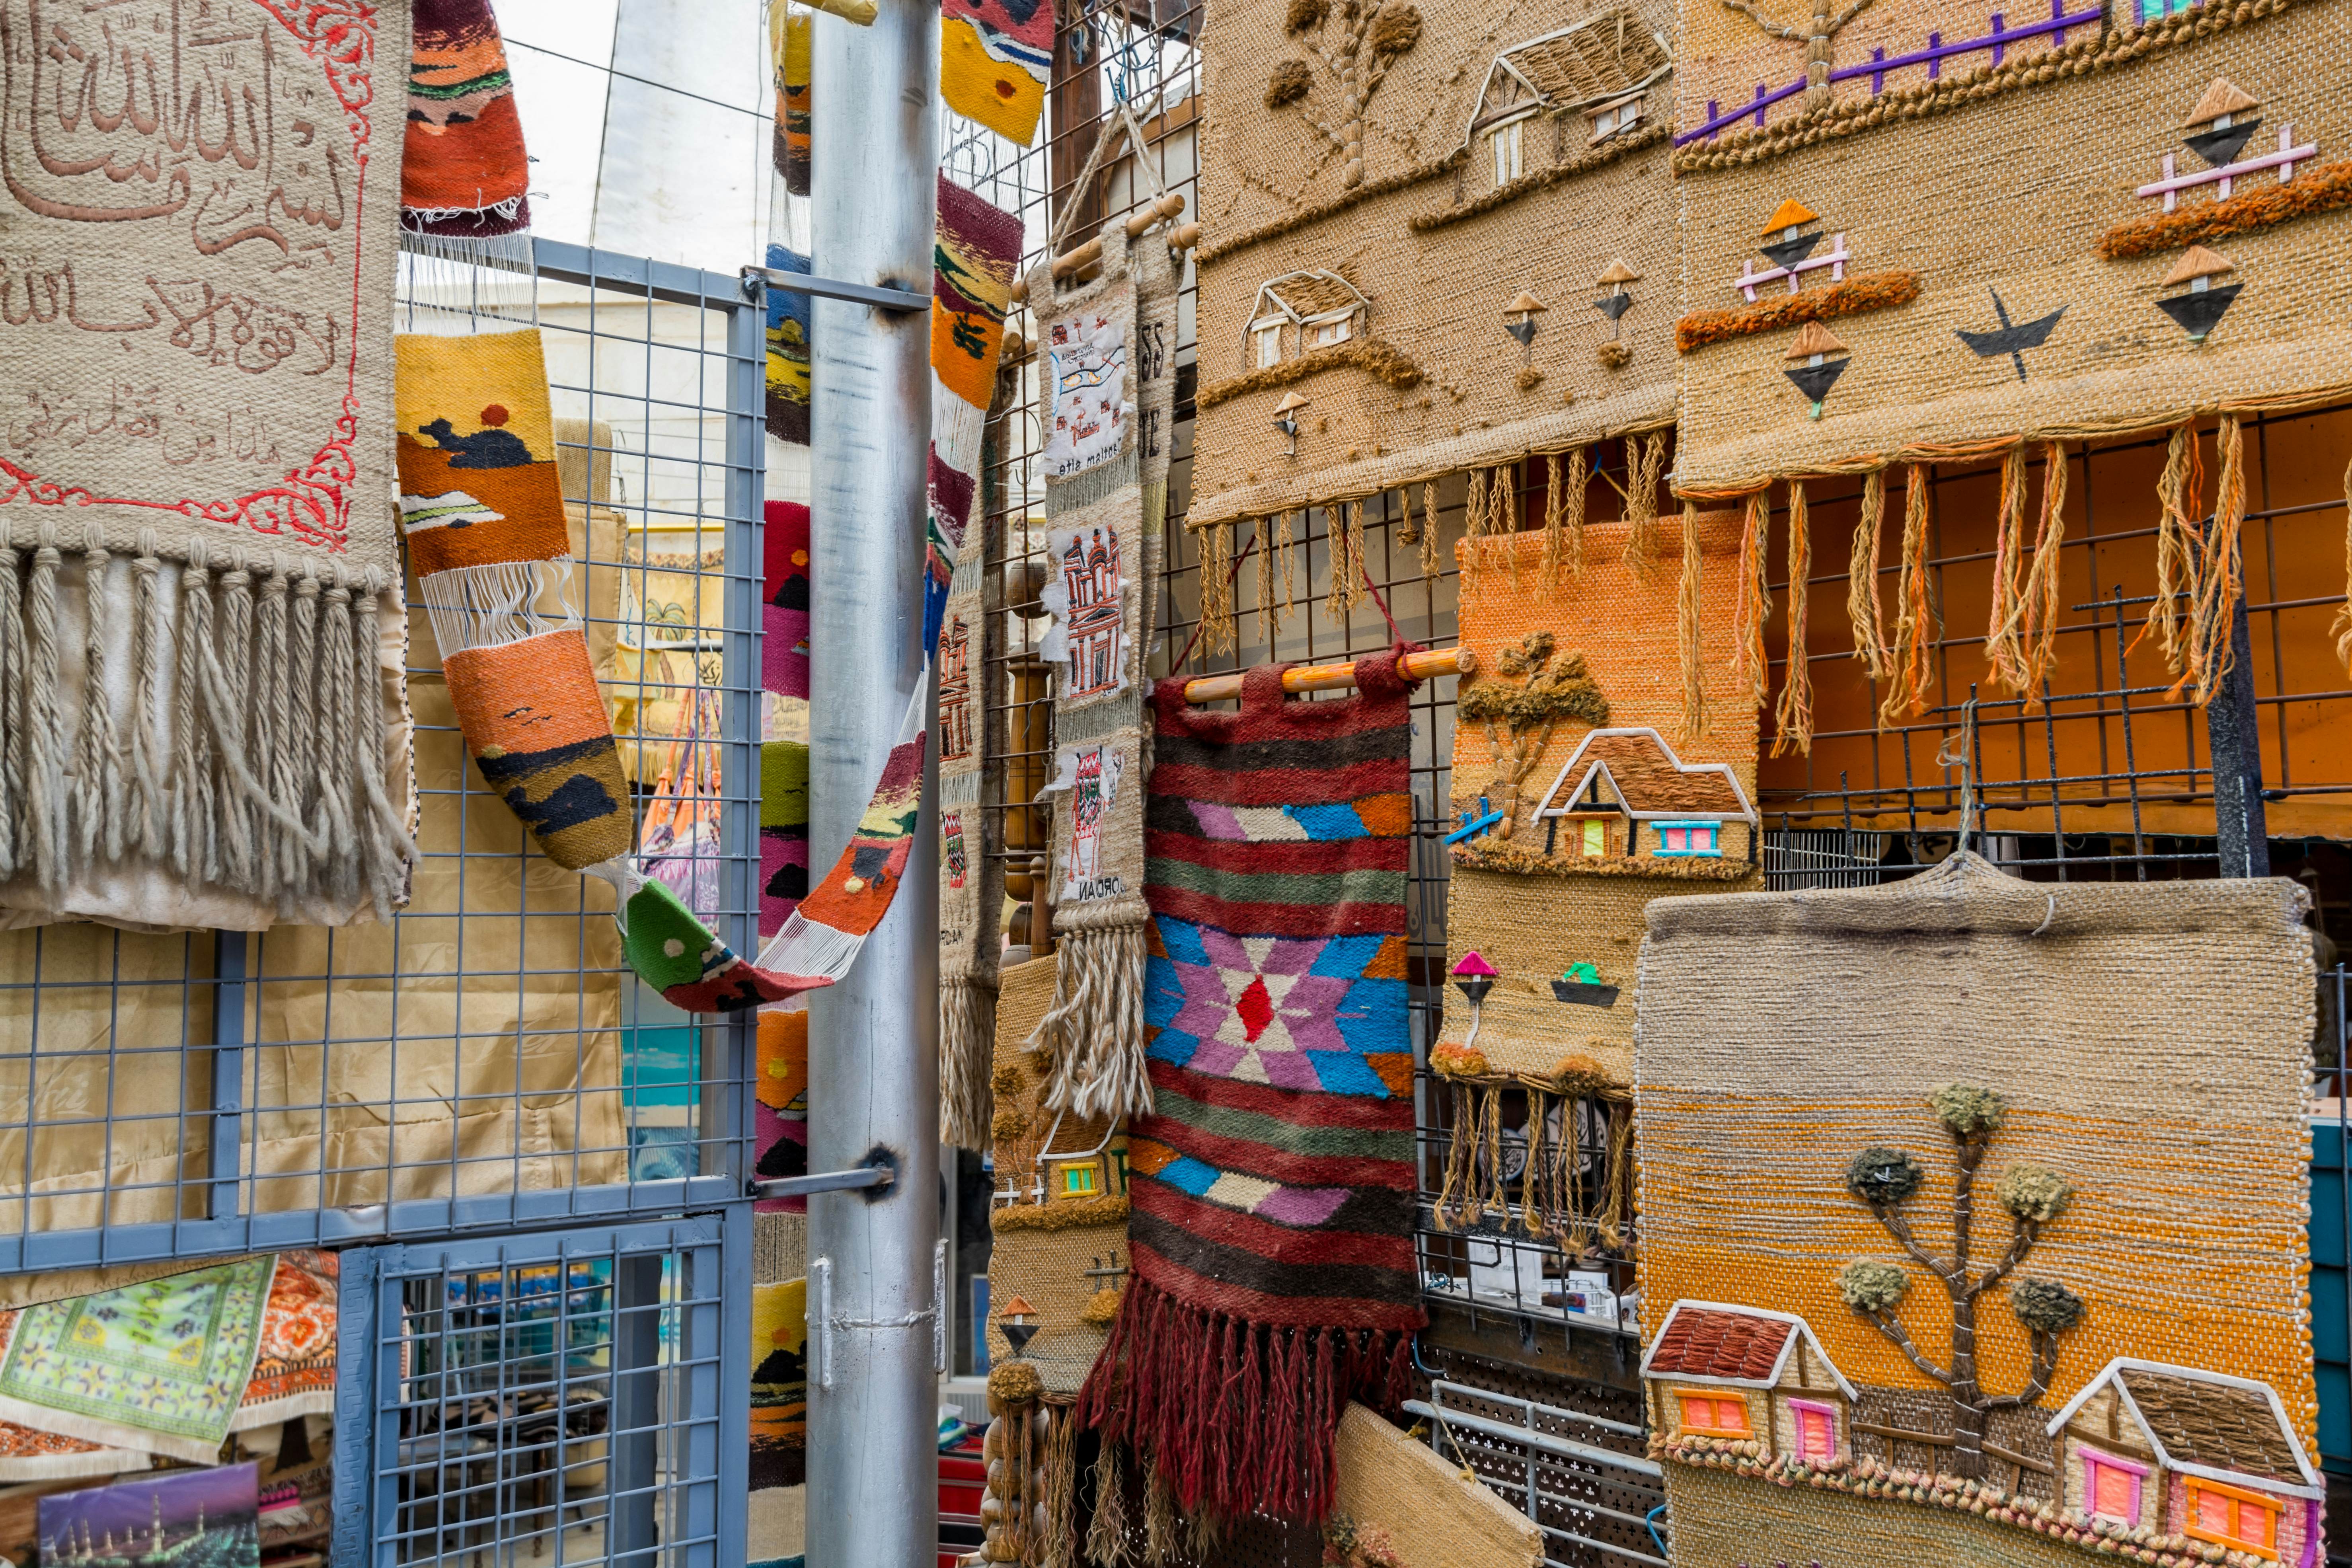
<point x="1184" y="238"/>
<point x="1076" y="260"/>
<point x="1335" y="677"/>
<point x="1166" y="206"/>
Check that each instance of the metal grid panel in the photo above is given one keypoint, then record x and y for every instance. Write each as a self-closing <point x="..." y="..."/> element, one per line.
<point x="487" y="1057"/>
<point x="566" y="1398"/>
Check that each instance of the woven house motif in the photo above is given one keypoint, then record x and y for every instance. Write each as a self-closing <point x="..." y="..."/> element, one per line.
<point x="1624" y="793"/>
<point x="1742" y="1374"/>
<point x="2190" y="1453"/>
<point x="1426" y="231"/>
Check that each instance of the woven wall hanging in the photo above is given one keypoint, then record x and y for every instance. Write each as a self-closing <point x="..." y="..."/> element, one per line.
<point x="1110" y="376"/>
<point x="788" y="55"/>
<point x="2172" y="263"/>
<point x="1395" y="1501"/>
<point x="464" y="175"/>
<point x="1603" y="756"/>
<point x="1936" y="1182"/>
<point x="1438" y="237"/>
<point x="1272" y="1184"/>
<point x="978" y="246"/>
<point x="1058" y="1263"/>
<point x="996" y="60"/>
<point x="197" y="539"/>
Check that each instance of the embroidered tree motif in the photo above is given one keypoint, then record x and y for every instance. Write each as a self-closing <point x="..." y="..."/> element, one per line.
<point x="1356" y="41"/>
<point x="1551" y="691"/>
<point x="1816" y="36"/>
<point x="1884" y="1178"/>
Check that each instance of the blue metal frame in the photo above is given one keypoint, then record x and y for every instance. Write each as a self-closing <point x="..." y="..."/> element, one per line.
<point x="709" y="1419"/>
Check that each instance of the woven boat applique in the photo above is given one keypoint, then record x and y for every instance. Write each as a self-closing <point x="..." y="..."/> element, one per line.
<point x="1272" y="1182"/>
<point x="1841" y="319"/>
<point x="1924" y="1259"/>
<point x="996" y="60"/>
<point x="978" y="246"/>
<point x="1110" y="381"/>
<point x="463" y="174"/>
<point x="160" y="1367"/>
<point x="1580" y="794"/>
<point x="196" y="553"/>
<point x="1437" y="243"/>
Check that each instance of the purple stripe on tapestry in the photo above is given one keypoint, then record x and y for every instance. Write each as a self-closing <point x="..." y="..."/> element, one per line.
<point x="1301" y="1206"/>
<point x="1218" y="821"/>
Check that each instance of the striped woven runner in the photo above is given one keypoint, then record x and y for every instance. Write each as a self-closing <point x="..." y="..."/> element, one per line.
<point x="1272" y="1186"/>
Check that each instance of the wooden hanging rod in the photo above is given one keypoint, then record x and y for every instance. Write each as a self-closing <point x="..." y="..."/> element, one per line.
<point x="1336" y="677"/>
<point x="1074" y="261"/>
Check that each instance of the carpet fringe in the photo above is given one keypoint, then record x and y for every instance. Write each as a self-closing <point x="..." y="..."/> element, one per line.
<point x="1092" y="1037"/>
<point x="239" y="743"/>
<point x="967" y="1061"/>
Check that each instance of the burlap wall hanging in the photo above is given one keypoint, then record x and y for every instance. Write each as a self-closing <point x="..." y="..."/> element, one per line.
<point x="2170" y="263"/>
<point x="1936" y="1182"/>
<point x="1110" y="377"/>
<point x="1438" y="237"/>
<point x="1603" y="756"/>
<point x="197" y="536"/>
<point x="1270" y="1234"/>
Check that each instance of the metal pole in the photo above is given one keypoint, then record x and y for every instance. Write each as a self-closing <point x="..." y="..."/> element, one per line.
<point x="2232" y="728"/>
<point x="872" y="1465"/>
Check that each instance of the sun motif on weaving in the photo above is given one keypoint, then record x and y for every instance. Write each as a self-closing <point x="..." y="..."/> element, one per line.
<point x="1288" y="1012"/>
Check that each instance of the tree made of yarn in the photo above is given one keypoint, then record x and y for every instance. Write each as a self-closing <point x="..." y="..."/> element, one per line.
<point x="1884" y="1179"/>
<point x="1818" y="35"/>
<point x="1550" y="692"/>
<point x="1356" y="41"/>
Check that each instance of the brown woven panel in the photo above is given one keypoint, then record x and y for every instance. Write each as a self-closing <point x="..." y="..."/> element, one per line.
<point x="2201" y="1423"/>
<point x="1389" y="108"/>
<point x="2079" y="257"/>
<point x="1821" y="1075"/>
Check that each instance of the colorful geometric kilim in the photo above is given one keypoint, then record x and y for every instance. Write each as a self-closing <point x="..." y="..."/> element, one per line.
<point x="159" y="1366"/>
<point x="463" y="172"/>
<point x="484" y="511"/>
<point x="1272" y="1184"/>
<point x="995" y="58"/>
<point x="788" y="353"/>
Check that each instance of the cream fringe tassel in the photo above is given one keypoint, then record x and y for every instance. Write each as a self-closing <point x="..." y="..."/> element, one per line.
<point x="1753" y="606"/>
<point x="1092" y="1037"/>
<point x="1792" y="716"/>
<point x="1862" y="609"/>
<point x="1686" y="631"/>
<point x="245" y="750"/>
<point x="1906" y="695"/>
<point x="967" y="1061"/>
<point x="1060" y="1547"/>
<point x="1106" y="1537"/>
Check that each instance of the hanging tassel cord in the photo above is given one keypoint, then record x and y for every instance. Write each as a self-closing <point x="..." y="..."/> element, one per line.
<point x="1754" y="604"/>
<point x="1863" y="611"/>
<point x="1201" y="624"/>
<point x="1906" y="694"/>
<point x="1686" y="631"/>
<point x="1792" y="716"/>
<point x="2343" y="626"/>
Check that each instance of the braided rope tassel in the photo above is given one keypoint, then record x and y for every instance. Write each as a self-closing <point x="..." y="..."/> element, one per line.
<point x="1686" y="631"/>
<point x="1792" y="717"/>
<point x="1862" y="610"/>
<point x="1754" y="605"/>
<point x="1906" y="694"/>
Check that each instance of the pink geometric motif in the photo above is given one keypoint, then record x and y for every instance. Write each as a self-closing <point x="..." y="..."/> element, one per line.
<point x="1257" y="1010"/>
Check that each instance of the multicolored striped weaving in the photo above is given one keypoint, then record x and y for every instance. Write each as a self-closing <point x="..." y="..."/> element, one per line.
<point x="1272" y="1186"/>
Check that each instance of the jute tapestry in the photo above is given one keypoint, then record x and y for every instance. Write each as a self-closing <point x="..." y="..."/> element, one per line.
<point x="1110" y="384"/>
<point x="159" y="1366"/>
<point x="1272" y="1182"/>
<point x="1936" y="1179"/>
<point x="2169" y="271"/>
<point x="1590" y="776"/>
<point x="197" y="540"/>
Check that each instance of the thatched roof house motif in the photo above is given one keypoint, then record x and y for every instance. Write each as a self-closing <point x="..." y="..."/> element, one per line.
<point x="2187" y="1452"/>
<point x="1625" y="792"/>
<point x="1745" y="1374"/>
<point x="1604" y="65"/>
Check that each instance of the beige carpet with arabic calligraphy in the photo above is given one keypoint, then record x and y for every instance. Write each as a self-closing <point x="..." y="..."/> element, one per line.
<point x="198" y="566"/>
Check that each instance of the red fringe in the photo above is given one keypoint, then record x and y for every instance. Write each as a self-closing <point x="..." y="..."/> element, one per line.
<point x="1238" y="1415"/>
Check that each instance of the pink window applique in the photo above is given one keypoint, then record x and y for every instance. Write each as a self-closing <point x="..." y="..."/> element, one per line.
<point x="2111" y="1486"/>
<point x="1816" y="1431"/>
